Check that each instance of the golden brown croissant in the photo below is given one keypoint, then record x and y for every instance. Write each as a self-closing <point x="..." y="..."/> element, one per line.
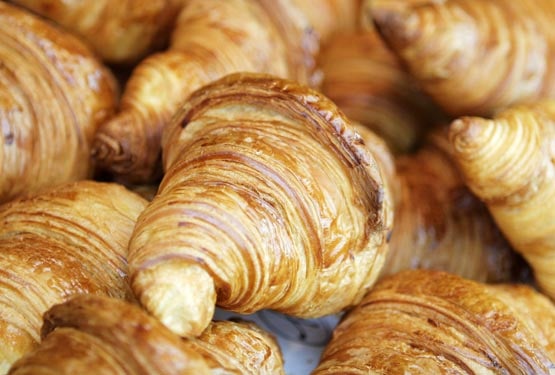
<point x="430" y="322"/>
<point x="439" y="224"/>
<point x="72" y="239"/>
<point x="94" y="334"/>
<point x="212" y="38"/>
<point x="368" y="83"/>
<point x="119" y="31"/>
<point x="473" y="57"/>
<point x="508" y="163"/>
<point x="53" y="96"/>
<point x="270" y="200"/>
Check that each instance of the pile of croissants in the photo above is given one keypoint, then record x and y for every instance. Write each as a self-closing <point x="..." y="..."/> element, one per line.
<point x="388" y="161"/>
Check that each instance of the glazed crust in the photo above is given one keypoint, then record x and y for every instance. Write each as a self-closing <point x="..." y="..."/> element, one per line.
<point x="53" y="96"/>
<point x="121" y="31"/>
<point x="365" y="79"/>
<point x="429" y="322"/>
<point x="238" y="348"/>
<point x="93" y="334"/>
<point x="211" y="39"/>
<point x="440" y="224"/>
<point x="508" y="162"/>
<point x="70" y="240"/>
<point x="270" y="198"/>
<point x="101" y="335"/>
<point x="473" y="57"/>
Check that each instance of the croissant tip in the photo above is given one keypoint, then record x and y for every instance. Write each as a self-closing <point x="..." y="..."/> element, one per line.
<point x="180" y="294"/>
<point x="394" y="23"/>
<point x="465" y="135"/>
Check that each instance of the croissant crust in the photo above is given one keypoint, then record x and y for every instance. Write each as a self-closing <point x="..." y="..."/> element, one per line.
<point x="270" y="193"/>
<point x="432" y="322"/>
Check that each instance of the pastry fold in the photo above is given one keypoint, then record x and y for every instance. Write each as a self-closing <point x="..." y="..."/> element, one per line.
<point x="70" y="240"/>
<point x="212" y="38"/>
<point x="270" y="200"/>
<point x="366" y="80"/>
<point x="507" y="161"/>
<point x="440" y="224"/>
<point x="430" y="322"/>
<point x="54" y="94"/>
<point x="120" y="32"/>
<point x="473" y="57"/>
<point x="101" y="335"/>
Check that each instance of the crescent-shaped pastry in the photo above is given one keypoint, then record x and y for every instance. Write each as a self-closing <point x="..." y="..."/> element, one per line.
<point x="270" y="200"/>
<point x="440" y="224"/>
<point x="69" y="240"/>
<point x="54" y="94"/>
<point x="430" y="322"/>
<point x="474" y="57"/>
<point x="120" y="31"/>
<point x="212" y="38"/>
<point x="507" y="161"/>
<point x="101" y="335"/>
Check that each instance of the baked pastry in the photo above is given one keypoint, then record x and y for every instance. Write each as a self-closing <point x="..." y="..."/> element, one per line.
<point x="120" y="32"/>
<point x="431" y="322"/>
<point x="109" y="336"/>
<point x="212" y="38"/>
<point x="71" y="239"/>
<point x="53" y="95"/>
<point x="508" y="163"/>
<point x="440" y="224"/>
<point x="474" y="57"/>
<point x="270" y="199"/>
<point x="365" y="79"/>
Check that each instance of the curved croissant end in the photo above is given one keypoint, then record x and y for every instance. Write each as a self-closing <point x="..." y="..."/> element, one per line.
<point x="508" y="163"/>
<point x="120" y="32"/>
<point x="54" y="94"/>
<point x="95" y="334"/>
<point x="212" y="38"/>
<point x="107" y="336"/>
<point x="270" y="200"/>
<point x="440" y="224"/>
<point x="473" y="57"/>
<point x="241" y="346"/>
<point x="69" y="240"/>
<point x="431" y="322"/>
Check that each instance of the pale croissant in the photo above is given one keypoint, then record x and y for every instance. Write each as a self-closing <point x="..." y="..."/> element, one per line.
<point x="101" y="335"/>
<point x="508" y="162"/>
<point x="72" y="239"/>
<point x="270" y="200"/>
<point x="431" y="322"/>
<point x="53" y="96"/>
<point x="474" y="57"/>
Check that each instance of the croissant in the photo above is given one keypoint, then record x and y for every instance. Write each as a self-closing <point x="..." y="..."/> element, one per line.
<point x="53" y="96"/>
<point x="120" y="32"/>
<point x="212" y="38"/>
<point x="108" y="336"/>
<point x="473" y="57"/>
<point x="508" y="162"/>
<point x="331" y="17"/>
<point x="439" y="224"/>
<point x="270" y="200"/>
<point x="431" y="322"/>
<point x="367" y="82"/>
<point x="68" y="240"/>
